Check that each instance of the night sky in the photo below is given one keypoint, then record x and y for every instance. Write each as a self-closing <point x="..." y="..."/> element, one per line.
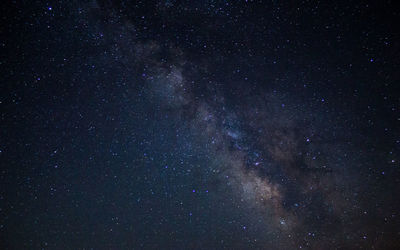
<point x="200" y="125"/>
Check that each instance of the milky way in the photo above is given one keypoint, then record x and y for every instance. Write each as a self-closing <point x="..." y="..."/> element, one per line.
<point x="200" y="125"/>
<point x="263" y="156"/>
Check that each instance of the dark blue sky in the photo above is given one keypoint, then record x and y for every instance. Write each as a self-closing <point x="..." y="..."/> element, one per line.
<point x="199" y="125"/>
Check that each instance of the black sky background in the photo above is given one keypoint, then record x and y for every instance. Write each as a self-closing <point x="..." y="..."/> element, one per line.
<point x="166" y="124"/>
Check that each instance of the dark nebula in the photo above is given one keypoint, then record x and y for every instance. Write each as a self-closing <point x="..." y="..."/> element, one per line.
<point x="200" y="125"/>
